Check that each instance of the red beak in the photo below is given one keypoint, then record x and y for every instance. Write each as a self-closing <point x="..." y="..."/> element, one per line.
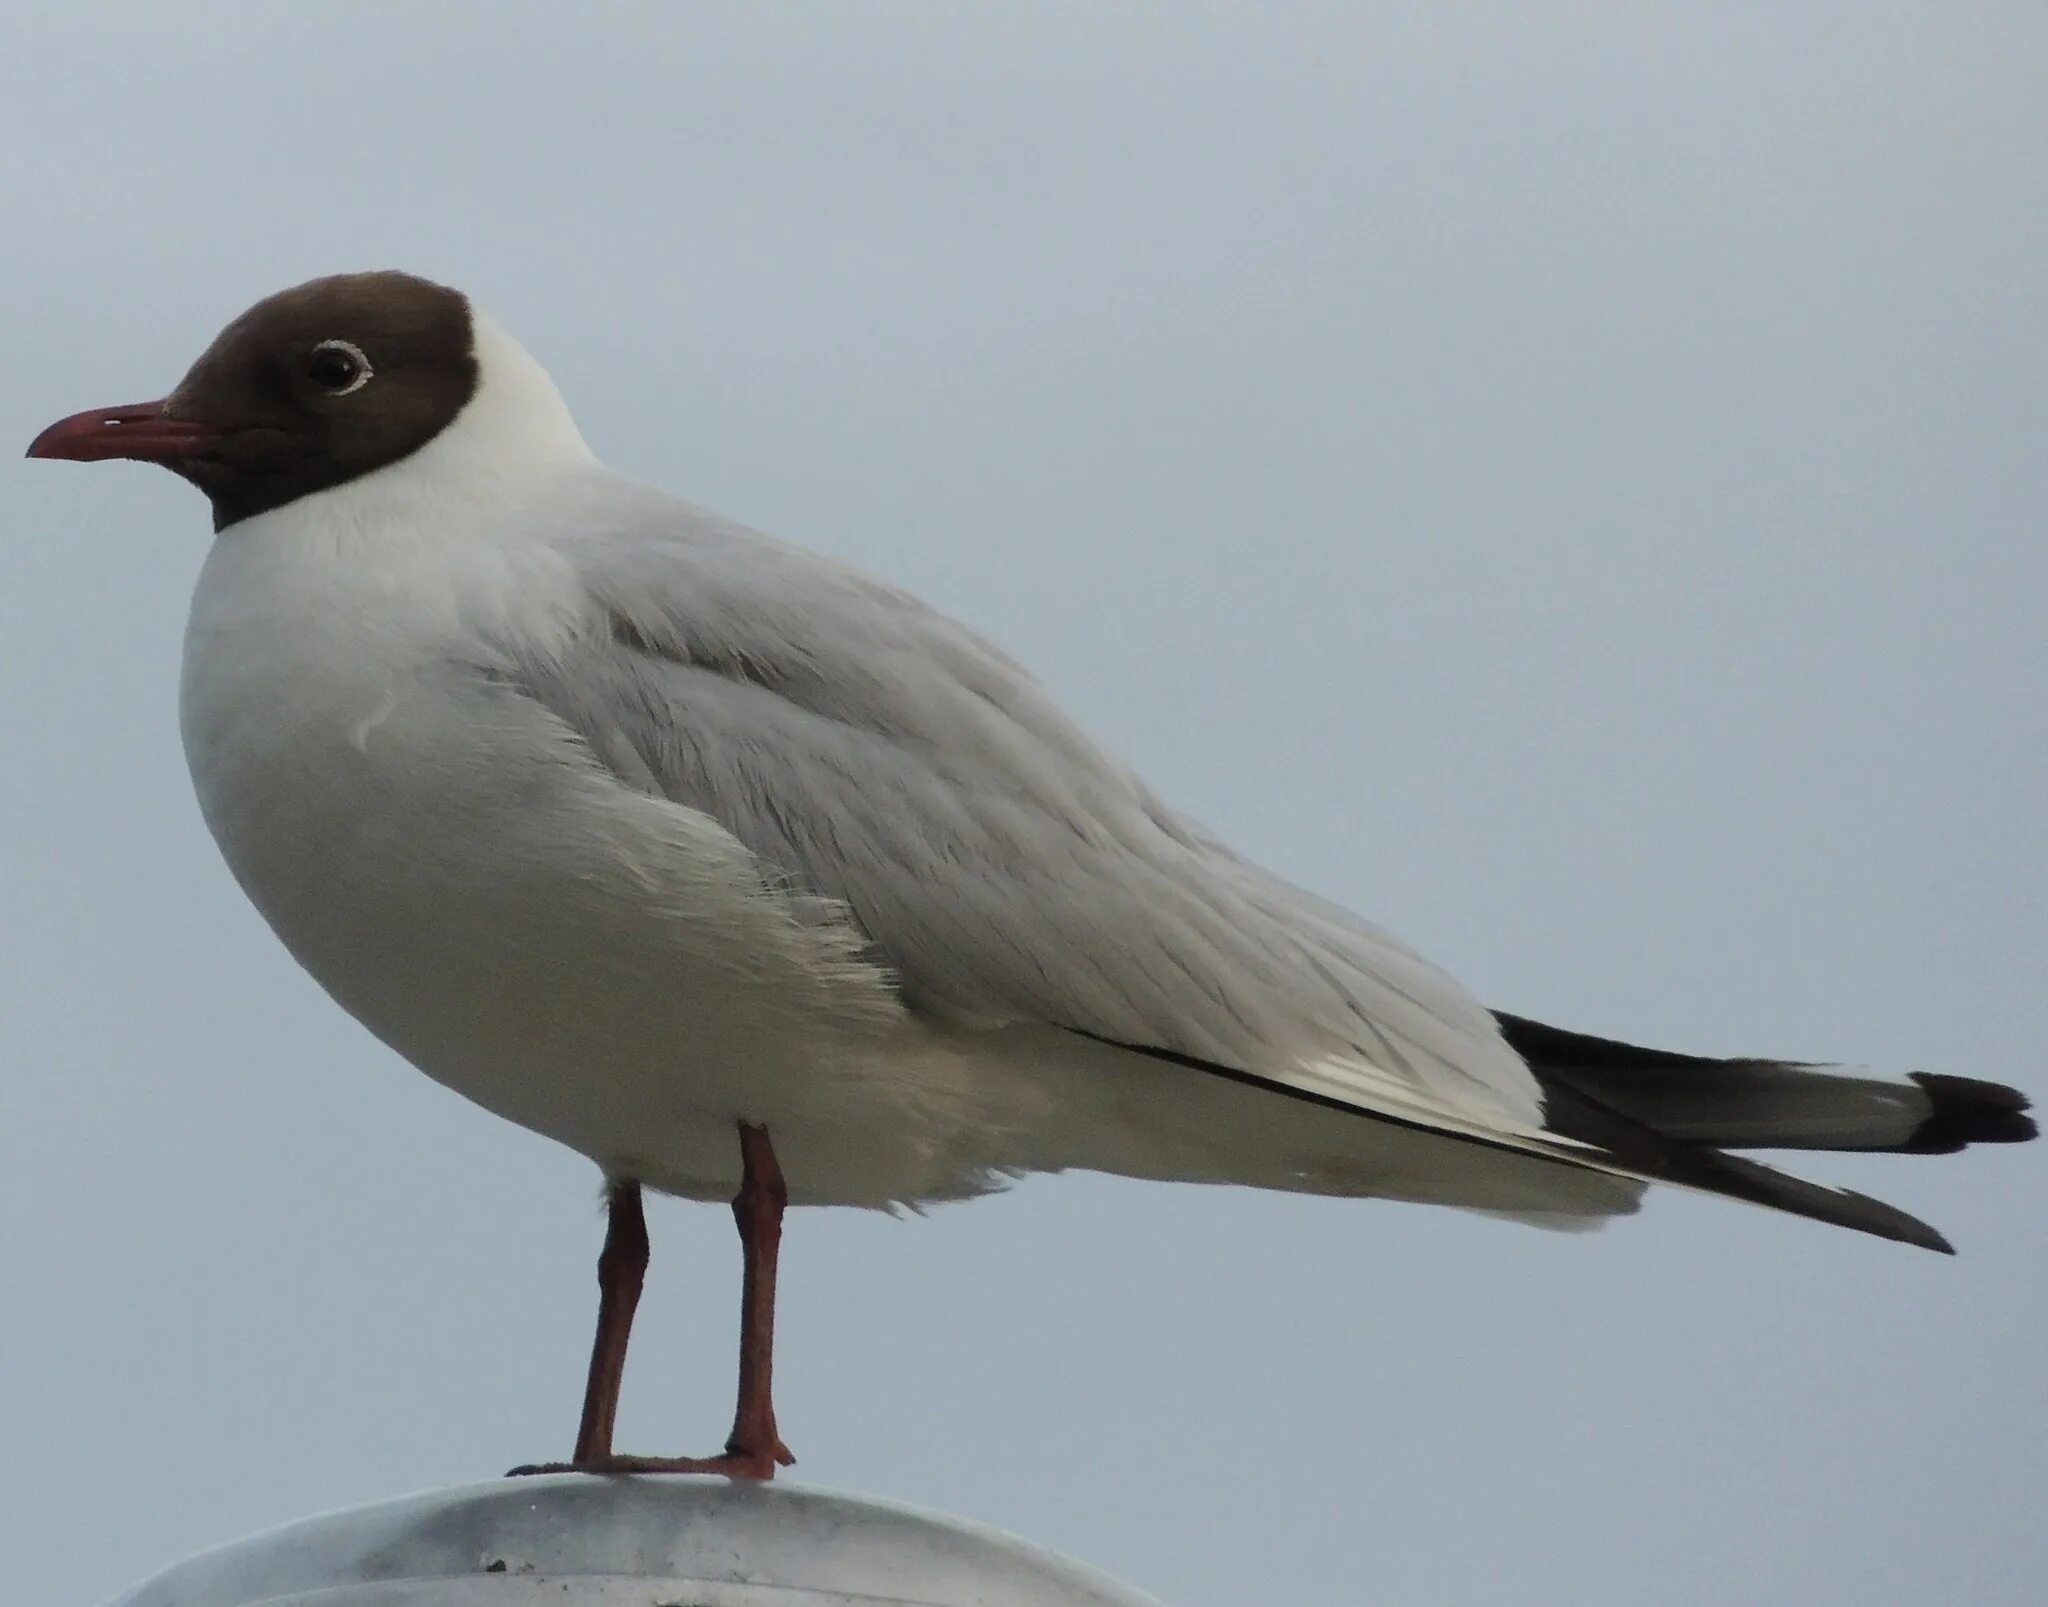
<point x="141" y="430"/>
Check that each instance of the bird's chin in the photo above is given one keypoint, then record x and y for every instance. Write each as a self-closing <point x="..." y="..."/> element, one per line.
<point x="207" y="470"/>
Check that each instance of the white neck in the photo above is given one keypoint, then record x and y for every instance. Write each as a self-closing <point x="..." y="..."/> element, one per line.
<point x="516" y="417"/>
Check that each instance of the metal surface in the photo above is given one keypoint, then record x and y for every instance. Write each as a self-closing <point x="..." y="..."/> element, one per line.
<point x="572" y="1541"/>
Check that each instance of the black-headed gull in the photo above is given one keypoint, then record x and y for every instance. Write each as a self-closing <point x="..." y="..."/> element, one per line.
<point x="661" y="837"/>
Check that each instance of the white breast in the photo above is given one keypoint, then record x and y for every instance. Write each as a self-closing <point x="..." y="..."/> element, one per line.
<point x="451" y="865"/>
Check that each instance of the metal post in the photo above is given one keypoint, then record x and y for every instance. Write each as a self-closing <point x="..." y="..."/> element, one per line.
<point x="662" y="1541"/>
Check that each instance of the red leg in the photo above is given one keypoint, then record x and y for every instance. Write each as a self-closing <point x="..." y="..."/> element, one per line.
<point x="757" y="1210"/>
<point x="754" y="1449"/>
<point x="621" y="1268"/>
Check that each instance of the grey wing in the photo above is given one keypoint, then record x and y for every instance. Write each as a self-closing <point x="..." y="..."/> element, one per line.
<point x="871" y="750"/>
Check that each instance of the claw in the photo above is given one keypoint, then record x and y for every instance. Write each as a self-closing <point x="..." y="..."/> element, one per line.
<point x="732" y="1465"/>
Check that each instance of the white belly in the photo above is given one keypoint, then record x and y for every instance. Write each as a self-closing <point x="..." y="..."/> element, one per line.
<point x="602" y="967"/>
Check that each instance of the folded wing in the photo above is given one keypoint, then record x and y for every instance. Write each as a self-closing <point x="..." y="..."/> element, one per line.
<point x="1006" y="870"/>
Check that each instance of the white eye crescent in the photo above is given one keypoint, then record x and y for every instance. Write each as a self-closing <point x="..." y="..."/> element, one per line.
<point x="338" y="367"/>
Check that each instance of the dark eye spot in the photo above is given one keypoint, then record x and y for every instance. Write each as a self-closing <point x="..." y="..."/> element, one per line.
<point x="338" y="366"/>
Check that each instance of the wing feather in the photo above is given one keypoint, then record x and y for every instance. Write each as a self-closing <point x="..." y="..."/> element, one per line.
<point x="1006" y="869"/>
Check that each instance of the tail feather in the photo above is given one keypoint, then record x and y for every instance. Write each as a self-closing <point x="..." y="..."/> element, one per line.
<point x="1772" y="1104"/>
<point x="1967" y="1111"/>
<point x="1591" y="1135"/>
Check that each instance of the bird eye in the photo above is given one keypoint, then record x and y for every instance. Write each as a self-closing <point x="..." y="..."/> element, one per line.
<point x="338" y="366"/>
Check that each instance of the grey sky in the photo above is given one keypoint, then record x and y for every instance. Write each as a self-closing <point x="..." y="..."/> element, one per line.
<point x="1566" y="480"/>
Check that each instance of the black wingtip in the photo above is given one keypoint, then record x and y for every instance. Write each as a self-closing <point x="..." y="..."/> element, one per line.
<point x="1937" y="1242"/>
<point x="1574" y="1114"/>
<point x="1969" y="1111"/>
<point x="1865" y="1215"/>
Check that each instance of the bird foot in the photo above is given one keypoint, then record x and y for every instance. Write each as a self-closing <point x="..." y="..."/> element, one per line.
<point x="734" y="1464"/>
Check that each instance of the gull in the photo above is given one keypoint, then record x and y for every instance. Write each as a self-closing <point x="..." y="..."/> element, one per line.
<point x="750" y="877"/>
